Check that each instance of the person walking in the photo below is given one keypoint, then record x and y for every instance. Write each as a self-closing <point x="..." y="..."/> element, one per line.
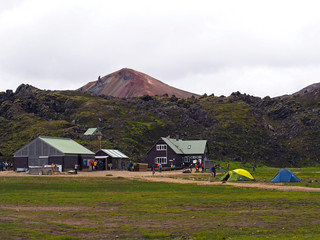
<point x="213" y="171"/>
<point x="160" y="167"/>
<point x="153" y="170"/>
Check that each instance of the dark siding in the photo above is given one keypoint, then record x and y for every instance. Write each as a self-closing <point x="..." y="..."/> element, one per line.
<point x="87" y="158"/>
<point x="70" y="161"/>
<point x="170" y="154"/>
<point x="20" y="162"/>
<point x="56" y="160"/>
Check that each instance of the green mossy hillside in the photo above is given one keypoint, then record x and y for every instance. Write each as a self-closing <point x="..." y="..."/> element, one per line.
<point x="278" y="132"/>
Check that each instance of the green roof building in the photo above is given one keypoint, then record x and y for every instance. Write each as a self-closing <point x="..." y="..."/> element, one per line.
<point x="181" y="153"/>
<point x="93" y="132"/>
<point x="53" y="150"/>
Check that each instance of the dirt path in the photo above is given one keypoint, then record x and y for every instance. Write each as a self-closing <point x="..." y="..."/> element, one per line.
<point x="168" y="177"/>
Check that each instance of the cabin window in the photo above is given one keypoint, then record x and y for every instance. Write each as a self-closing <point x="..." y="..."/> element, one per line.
<point x="161" y="147"/>
<point x="162" y="160"/>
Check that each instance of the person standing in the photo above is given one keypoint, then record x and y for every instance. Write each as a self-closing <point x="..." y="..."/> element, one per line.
<point x="160" y="167"/>
<point x="95" y="165"/>
<point x="211" y="171"/>
<point x="91" y="165"/>
<point x="130" y="166"/>
<point x="228" y="166"/>
<point x="153" y="170"/>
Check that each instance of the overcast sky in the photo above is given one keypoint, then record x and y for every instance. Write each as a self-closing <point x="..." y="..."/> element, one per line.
<point x="262" y="48"/>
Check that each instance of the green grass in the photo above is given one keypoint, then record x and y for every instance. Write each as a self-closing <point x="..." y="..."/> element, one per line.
<point x="108" y="208"/>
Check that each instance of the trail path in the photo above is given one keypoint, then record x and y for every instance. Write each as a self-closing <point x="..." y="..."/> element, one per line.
<point x="168" y="177"/>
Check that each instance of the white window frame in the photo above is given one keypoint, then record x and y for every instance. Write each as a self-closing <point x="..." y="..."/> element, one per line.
<point x="161" y="147"/>
<point x="162" y="160"/>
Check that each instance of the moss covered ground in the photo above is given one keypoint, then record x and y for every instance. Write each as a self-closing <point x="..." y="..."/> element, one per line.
<point x="117" y="208"/>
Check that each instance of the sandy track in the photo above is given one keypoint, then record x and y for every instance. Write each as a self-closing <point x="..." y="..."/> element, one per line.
<point x="168" y="177"/>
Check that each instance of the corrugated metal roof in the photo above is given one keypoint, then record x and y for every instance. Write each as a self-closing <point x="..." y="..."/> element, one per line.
<point x="114" y="153"/>
<point x="66" y="145"/>
<point x="93" y="131"/>
<point x="172" y="145"/>
<point x="186" y="146"/>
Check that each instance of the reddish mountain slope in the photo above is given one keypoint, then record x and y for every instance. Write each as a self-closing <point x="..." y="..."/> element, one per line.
<point x="130" y="83"/>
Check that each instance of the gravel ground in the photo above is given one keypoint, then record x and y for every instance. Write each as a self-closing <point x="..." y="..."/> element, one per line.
<point x="167" y="176"/>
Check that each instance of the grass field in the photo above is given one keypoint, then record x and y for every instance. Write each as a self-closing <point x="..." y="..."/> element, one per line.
<point x="117" y="208"/>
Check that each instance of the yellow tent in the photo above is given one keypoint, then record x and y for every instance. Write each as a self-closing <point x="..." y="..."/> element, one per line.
<point x="237" y="175"/>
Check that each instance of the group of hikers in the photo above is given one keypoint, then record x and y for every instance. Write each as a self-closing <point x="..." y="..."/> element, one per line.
<point x="96" y="165"/>
<point x="6" y="166"/>
<point x="197" y="166"/>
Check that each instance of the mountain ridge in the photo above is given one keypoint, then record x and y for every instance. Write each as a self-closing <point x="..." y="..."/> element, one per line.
<point x="311" y="88"/>
<point x="281" y="132"/>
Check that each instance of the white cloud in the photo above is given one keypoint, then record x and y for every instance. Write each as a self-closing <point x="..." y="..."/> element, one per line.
<point x="257" y="47"/>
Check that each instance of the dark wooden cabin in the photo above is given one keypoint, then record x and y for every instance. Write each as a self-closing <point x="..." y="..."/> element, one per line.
<point x="177" y="152"/>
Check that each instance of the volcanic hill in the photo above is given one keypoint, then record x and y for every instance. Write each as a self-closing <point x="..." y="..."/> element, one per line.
<point x="309" y="89"/>
<point x="127" y="83"/>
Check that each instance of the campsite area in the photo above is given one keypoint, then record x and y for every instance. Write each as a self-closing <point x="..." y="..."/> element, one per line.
<point x="169" y="205"/>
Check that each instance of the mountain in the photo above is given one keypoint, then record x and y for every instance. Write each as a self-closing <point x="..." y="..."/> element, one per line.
<point x="309" y="89"/>
<point x="280" y="132"/>
<point x="127" y="83"/>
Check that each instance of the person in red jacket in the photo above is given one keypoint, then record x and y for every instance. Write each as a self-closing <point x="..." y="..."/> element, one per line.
<point x="153" y="170"/>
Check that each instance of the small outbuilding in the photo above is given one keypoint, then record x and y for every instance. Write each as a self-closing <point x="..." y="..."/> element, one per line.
<point x="93" y="132"/>
<point x="53" y="150"/>
<point x="111" y="159"/>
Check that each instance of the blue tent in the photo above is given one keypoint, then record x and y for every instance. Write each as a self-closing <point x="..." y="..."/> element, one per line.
<point x="285" y="175"/>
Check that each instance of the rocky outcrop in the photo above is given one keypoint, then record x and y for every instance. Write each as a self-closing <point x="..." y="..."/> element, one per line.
<point x="281" y="131"/>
